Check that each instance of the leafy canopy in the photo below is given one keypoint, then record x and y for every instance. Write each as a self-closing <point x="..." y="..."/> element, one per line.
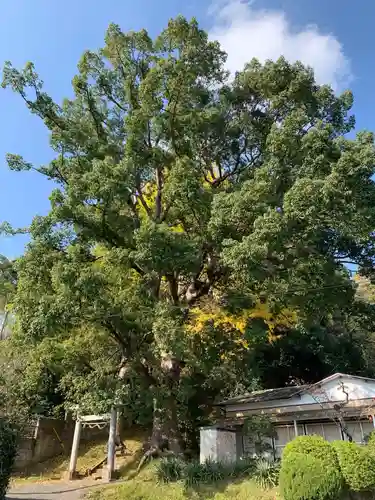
<point x="181" y="191"/>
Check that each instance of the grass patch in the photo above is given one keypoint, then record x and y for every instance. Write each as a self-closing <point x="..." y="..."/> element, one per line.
<point x="55" y="468"/>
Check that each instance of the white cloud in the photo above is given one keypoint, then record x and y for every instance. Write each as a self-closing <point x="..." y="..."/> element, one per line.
<point x="245" y="32"/>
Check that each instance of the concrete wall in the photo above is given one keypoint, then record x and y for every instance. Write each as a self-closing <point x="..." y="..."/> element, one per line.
<point x="48" y="437"/>
<point x="217" y="445"/>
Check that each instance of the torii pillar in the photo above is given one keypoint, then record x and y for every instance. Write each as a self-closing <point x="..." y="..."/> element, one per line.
<point x="111" y="452"/>
<point x="74" y="453"/>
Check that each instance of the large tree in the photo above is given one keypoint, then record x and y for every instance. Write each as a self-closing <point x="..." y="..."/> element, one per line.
<point x="181" y="189"/>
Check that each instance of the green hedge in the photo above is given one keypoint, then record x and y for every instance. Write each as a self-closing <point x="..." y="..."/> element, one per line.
<point x="357" y="465"/>
<point x="8" y="451"/>
<point x="371" y="441"/>
<point x="306" y="477"/>
<point x="315" y="446"/>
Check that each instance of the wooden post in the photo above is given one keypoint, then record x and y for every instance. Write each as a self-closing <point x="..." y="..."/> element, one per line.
<point x="111" y="445"/>
<point x="75" y="446"/>
<point x="295" y="428"/>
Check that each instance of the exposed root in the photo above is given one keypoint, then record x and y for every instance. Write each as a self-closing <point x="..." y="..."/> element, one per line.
<point x="151" y="453"/>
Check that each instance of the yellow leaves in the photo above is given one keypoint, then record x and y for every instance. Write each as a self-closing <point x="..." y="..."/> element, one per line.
<point x="285" y="318"/>
<point x="177" y="229"/>
<point x="149" y="192"/>
<point x="219" y="318"/>
<point x="365" y="289"/>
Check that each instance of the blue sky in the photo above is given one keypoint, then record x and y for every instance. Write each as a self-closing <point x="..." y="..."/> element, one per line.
<point x="335" y="37"/>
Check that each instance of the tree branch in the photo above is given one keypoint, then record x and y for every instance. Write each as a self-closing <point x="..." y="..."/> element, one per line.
<point x="173" y="288"/>
<point x="159" y="187"/>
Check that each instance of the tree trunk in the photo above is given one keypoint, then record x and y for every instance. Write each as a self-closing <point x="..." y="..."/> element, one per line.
<point x="119" y="440"/>
<point x="166" y="437"/>
<point x="165" y="431"/>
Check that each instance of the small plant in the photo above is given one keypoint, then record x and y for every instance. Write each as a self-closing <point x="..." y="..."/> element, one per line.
<point x="266" y="473"/>
<point x="170" y="469"/>
<point x="243" y="468"/>
<point x="209" y="472"/>
<point x="8" y="451"/>
<point x="212" y="472"/>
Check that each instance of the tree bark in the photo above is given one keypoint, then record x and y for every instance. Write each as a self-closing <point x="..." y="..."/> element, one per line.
<point x="165" y="431"/>
<point x="166" y="438"/>
<point x="119" y="432"/>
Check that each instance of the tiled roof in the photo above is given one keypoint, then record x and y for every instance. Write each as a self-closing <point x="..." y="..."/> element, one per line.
<point x="266" y="395"/>
<point x="286" y="392"/>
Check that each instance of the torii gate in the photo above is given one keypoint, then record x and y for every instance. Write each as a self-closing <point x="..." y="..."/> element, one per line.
<point x="95" y="421"/>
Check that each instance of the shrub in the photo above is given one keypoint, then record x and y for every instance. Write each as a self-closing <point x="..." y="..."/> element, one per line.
<point x="315" y="446"/>
<point x="242" y="468"/>
<point x="357" y="465"/>
<point x="170" y="469"/>
<point x="370" y="440"/>
<point x="306" y="477"/>
<point x="8" y="451"/>
<point x="208" y="472"/>
<point x="266" y="473"/>
<point x="212" y="472"/>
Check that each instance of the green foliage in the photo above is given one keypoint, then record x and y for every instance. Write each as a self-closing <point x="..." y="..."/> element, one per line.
<point x="209" y="472"/>
<point x="177" y="189"/>
<point x="170" y="469"/>
<point x="212" y="472"/>
<point x="305" y="476"/>
<point x="314" y="446"/>
<point x="8" y="451"/>
<point x="266" y="473"/>
<point x="370" y="441"/>
<point x="357" y="464"/>
<point x="192" y="473"/>
<point x="259" y="428"/>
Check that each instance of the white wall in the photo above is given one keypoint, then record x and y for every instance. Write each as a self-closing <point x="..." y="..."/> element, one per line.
<point x="217" y="445"/>
<point x="208" y="444"/>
